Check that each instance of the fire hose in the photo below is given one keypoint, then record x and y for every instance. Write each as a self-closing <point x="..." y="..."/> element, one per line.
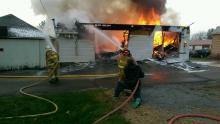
<point x="175" y="118"/>
<point x="64" y="76"/>
<point x="120" y="106"/>
<point x="170" y="121"/>
<point x="37" y="97"/>
<point x="21" y="90"/>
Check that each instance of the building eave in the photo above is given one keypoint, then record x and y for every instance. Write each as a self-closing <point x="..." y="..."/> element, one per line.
<point x="24" y="38"/>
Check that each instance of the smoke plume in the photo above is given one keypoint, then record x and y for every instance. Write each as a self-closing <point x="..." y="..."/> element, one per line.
<point x="146" y="5"/>
<point x="107" y="11"/>
<point x="170" y="17"/>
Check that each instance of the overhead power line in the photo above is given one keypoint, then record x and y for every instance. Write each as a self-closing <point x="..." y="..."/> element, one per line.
<point x="42" y="4"/>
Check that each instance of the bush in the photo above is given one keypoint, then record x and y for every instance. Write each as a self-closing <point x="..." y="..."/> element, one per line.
<point x="200" y="53"/>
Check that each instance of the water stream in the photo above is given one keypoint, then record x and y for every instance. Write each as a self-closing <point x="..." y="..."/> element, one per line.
<point x="105" y="37"/>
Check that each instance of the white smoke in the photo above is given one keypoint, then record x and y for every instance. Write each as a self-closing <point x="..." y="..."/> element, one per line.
<point x="66" y="11"/>
<point x="170" y="18"/>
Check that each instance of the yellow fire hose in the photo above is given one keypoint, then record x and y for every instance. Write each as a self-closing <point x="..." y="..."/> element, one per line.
<point x="44" y="99"/>
<point x="37" y="97"/>
<point x="63" y="76"/>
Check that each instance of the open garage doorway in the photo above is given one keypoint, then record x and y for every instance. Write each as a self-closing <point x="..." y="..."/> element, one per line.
<point x="166" y="45"/>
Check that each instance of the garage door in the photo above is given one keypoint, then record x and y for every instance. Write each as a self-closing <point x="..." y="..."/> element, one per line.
<point x="82" y="51"/>
<point x="141" y="46"/>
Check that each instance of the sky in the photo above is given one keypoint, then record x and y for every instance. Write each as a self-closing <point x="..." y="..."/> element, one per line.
<point x="203" y="13"/>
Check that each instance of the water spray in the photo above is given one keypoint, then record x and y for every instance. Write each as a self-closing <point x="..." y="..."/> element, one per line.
<point x="46" y="35"/>
<point x="106" y="38"/>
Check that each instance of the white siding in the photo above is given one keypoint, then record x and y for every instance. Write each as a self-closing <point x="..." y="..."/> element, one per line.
<point x="19" y="53"/>
<point x="141" y="46"/>
<point x="184" y="46"/>
<point x="82" y="51"/>
<point x="198" y="47"/>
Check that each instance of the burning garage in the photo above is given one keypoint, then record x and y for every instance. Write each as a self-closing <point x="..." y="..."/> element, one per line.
<point x="151" y="41"/>
<point x="90" y="41"/>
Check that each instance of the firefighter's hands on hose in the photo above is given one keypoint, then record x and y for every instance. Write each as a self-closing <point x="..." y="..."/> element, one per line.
<point x="52" y="63"/>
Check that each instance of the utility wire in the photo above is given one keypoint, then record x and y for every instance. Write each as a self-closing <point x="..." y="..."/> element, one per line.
<point x="42" y="4"/>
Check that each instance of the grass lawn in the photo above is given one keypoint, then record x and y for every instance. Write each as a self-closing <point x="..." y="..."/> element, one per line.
<point x="80" y="107"/>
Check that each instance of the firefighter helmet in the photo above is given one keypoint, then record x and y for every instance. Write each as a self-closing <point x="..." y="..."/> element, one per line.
<point x="125" y="51"/>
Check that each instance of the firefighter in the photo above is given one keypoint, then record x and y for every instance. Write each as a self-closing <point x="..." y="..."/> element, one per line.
<point x="122" y="62"/>
<point x="133" y="73"/>
<point x="52" y="63"/>
<point x="129" y="74"/>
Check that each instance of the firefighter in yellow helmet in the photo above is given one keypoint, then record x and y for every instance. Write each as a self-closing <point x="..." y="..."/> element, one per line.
<point x="122" y="62"/>
<point x="52" y="63"/>
<point x="129" y="75"/>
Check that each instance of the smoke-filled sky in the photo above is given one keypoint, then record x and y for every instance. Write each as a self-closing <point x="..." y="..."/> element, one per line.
<point x="184" y="12"/>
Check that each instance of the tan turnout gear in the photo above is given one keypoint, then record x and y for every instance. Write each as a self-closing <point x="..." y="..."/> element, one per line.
<point x="52" y="60"/>
<point x="122" y="62"/>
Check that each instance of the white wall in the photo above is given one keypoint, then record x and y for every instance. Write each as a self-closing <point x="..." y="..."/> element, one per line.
<point x="19" y="53"/>
<point x="141" y="46"/>
<point x="198" y="47"/>
<point x="69" y="51"/>
<point x="184" y="46"/>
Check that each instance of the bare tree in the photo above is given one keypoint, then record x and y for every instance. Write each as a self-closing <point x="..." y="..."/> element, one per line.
<point x="199" y="36"/>
<point x="209" y="33"/>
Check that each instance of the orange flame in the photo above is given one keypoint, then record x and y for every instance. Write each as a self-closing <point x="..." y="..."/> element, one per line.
<point x="151" y="17"/>
<point x="164" y="39"/>
<point x="141" y="20"/>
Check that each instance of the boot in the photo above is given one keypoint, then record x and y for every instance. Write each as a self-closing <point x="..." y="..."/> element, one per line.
<point x="136" y="103"/>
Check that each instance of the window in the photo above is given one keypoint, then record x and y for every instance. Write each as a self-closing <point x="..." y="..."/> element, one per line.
<point x="1" y="50"/>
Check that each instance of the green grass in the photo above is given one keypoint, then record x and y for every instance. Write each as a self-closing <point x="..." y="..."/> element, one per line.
<point x="74" y="108"/>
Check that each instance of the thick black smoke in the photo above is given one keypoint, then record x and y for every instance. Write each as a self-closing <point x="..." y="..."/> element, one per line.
<point x="158" y="5"/>
<point x="107" y="11"/>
